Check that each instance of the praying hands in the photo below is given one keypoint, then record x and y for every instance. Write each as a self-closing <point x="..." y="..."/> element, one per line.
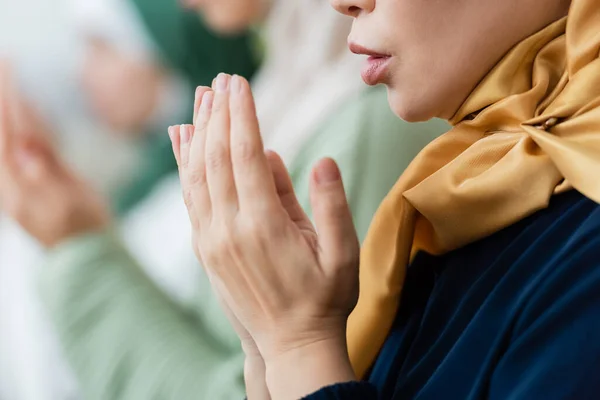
<point x="287" y="287"/>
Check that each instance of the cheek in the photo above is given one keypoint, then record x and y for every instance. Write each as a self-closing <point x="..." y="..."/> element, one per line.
<point x="229" y="16"/>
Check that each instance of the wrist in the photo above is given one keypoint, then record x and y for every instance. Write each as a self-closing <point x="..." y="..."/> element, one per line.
<point x="251" y="351"/>
<point x="304" y="369"/>
<point x="254" y="378"/>
<point x="75" y="234"/>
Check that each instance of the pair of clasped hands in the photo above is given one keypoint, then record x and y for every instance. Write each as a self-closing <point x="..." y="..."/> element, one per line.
<point x="286" y="287"/>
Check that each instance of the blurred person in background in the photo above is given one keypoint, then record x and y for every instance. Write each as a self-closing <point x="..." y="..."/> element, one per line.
<point x="139" y="69"/>
<point x="129" y="336"/>
<point x="142" y="62"/>
<point x="36" y="37"/>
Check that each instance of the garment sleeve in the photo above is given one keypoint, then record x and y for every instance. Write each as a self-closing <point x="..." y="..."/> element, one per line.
<point x="346" y="391"/>
<point x="124" y="338"/>
<point x="372" y="148"/>
<point x="555" y="351"/>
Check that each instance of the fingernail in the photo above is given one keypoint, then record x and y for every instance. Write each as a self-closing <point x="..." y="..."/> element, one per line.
<point x="214" y="84"/>
<point x="207" y="101"/>
<point x="170" y="130"/>
<point x="327" y="172"/>
<point x="222" y="81"/>
<point x="184" y="133"/>
<point x="236" y="84"/>
<point x="198" y="90"/>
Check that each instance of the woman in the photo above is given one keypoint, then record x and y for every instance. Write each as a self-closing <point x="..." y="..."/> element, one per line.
<point x="142" y="62"/>
<point x="498" y="218"/>
<point x="120" y="331"/>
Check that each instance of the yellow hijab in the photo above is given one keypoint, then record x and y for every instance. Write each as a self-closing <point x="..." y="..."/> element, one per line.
<point x="536" y="132"/>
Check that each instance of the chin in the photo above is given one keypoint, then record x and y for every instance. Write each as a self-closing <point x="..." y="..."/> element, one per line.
<point x="408" y="108"/>
<point x="224" y="25"/>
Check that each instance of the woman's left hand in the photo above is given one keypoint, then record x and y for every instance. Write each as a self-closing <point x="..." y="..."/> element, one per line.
<point x="292" y="287"/>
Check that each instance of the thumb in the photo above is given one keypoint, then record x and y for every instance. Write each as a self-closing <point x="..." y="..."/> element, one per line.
<point x="285" y="190"/>
<point x="338" y="241"/>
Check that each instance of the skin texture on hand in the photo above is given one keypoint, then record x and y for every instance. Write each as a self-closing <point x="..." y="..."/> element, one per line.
<point x="36" y="188"/>
<point x="287" y="289"/>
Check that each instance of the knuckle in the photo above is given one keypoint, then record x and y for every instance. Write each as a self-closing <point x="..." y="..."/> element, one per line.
<point x="210" y="258"/>
<point x="244" y="152"/>
<point x="219" y="103"/>
<point x="210" y="251"/>
<point x="196" y="177"/>
<point x="188" y="199"/>
<point x="216" y="158"/>
<point x="223" y="242"/>
<point x="185" y="160"/>
<point x="347" y="257"/>
<point x="258" y="228"/>
<point x="201" y="126"/>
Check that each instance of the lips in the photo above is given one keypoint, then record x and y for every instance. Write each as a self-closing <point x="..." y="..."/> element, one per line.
<point x="375" y="69"/>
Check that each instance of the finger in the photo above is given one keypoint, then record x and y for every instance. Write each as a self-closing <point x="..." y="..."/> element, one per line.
<point x="219" y="172"/>
<point x="194" y="172"/>
<point x="33" y="133"/>
<point x="181" y="135"/>
<point x="7" y="98"/>
<point x="285" y="189"/>
<point x="333" y="219"/>
<point x="185" y="144"/>
<point x="176" y="144"/>
<point x="253" y="179"/>
<point x="200" y="90"/>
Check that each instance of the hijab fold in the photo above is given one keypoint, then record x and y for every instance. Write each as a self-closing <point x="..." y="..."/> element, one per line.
<point x="530" y="129"/>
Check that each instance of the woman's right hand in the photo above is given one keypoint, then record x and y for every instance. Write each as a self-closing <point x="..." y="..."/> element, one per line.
<point x="36" y="188"/>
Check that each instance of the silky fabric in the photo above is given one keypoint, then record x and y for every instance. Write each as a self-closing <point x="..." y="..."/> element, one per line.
<point x="529" y="130"/>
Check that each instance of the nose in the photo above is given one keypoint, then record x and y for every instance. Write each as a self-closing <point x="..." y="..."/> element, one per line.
<point x="353" y="8"/>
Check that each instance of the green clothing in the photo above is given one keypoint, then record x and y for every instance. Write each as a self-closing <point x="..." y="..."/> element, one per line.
<point x="127" y="340"/>
<point x="187" y="47"/>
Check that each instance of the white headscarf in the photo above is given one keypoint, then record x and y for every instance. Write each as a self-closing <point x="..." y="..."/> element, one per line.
<point x="118" y="23"/>
<point x="115" y="22"/>
<point x="307" y="74"/>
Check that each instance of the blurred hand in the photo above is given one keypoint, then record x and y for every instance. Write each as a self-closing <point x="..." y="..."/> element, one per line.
<point x="290" y="288"/>
<point x="123" y="92"/>
<point x="36" y="188"/>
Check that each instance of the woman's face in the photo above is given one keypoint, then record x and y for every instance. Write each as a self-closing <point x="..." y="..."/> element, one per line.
<point x="123" y="91"/>
<point x="432" y="53"/>
<point x="228" y="16"/>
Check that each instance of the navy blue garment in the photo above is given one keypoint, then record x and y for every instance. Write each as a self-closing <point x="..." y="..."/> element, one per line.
<point x="512" y="316"/>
